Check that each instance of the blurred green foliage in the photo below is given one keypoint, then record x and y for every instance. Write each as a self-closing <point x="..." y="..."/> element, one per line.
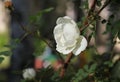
<point x="4" y="40"/>
<point x="39" y="46"/>
<point x="4" y="51"/>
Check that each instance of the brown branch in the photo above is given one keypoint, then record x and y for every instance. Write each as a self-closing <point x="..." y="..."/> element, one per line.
<point x="86" y="23"/>
<point x="107" y="3"/>
<point x="92" y="8"/>
<point x="65" y="65"/>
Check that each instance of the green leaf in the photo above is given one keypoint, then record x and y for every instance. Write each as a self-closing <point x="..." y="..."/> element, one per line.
<point x="109" y="63"/>
<point x="10" y="46"/>
<point x="117" y="24"/>
<point x="115" y="73"/>
<point x="89" y="37"/>
<point x="80" y="71"/>
<point x="81" y="74"/>
<point x="92" y="68"/>
<point x="85" y="74"/>
<point x="36" y="19"/>
<point x="79" y="24"/>
<point x="111" y="18"/>
<point x="103" y="21"/>
<point x="109" y="26"/>
<point x="78" y="76"/>
<point x="105" y="32"/>
<point x="5" y="53"/>
<point x="23" y="80"/>
<point x="99" y="3"/>
<point x="115" y="28"/>
<point x="119" y="35"/>
<point x="86" y="68"/>
<point x="92" y="28"/>
<point x="48" y="10"/>
<point x="1" y="59"/>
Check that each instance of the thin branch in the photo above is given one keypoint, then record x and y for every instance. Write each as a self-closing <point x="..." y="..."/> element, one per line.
<point x="10" y="6"/>
<point x="107" y="3"/>
<point x="65" y="65"/>
<point x="86" y="23"/>
<point x="92" y="8"/>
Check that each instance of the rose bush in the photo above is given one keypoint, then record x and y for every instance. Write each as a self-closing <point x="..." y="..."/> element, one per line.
<point x="67" y="36"/>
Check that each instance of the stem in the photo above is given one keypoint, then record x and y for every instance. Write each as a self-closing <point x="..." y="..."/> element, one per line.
<point x="86" y="23"/>
<point x="107" y="3"/>
<point x="65" y="65"/>
<point x="92" y="8"/>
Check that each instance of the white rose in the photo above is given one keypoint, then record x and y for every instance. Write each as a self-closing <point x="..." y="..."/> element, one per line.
<point x="29" y="73"/>
<point x="67" y="36"/>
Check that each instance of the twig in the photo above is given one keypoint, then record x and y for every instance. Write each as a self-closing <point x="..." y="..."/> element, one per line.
<point x="92" y="8"/>
<point x="107" y="3"/>
<point x="10" y="6"/>
<point x="65" y="65"/>
<point x="86" y="23"/>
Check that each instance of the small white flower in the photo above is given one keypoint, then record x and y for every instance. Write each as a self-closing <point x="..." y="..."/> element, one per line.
<point x="67" y="36"/>
<point x="29" y="73"/>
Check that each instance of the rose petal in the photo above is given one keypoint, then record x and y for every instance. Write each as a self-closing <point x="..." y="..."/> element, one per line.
<point x="67" y="17"/>
<point x="64" y="50"/>
<point x="80" y="46"/>
<point x="64" y="20"/>
<point x="70" y="34"/>
<point x="70" y="19"/>
<point x="70" y="31"/>
<point x="58" y="32"/>
<point x="66" y="35"/>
